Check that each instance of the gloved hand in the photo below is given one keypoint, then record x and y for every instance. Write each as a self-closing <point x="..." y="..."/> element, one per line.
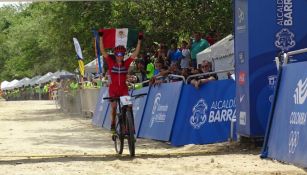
<point x="141" y="36"/>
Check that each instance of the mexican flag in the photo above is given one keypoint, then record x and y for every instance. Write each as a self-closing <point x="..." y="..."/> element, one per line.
<point x="114" y="37"/>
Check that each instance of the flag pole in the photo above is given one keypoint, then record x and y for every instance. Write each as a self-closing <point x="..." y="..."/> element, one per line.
<point x="95" y="50"/>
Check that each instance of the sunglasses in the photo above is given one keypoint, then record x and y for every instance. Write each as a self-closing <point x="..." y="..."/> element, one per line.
<point x="119" y="54"/>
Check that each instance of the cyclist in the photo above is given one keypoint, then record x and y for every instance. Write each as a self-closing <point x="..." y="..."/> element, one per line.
<point x="118" y="70"/>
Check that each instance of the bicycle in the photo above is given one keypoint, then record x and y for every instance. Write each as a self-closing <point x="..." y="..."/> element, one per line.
<point x="124" y="123"/>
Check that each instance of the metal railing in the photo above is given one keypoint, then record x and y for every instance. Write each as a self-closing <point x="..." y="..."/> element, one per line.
<point x="207" y="73"/>
<point x="175" y="76"/>
<point x="295" y="52"/>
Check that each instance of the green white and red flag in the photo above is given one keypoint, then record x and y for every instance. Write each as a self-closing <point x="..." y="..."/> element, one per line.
<point x="124" y="36"/>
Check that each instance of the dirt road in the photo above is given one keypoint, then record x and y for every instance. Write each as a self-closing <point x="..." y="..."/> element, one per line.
<point x="36" y="139"/>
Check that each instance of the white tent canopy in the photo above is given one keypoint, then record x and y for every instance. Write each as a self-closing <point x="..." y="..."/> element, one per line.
<point x="4" y="85"/>
<point x="91" y="66"/>
<point x="33" y="80"/>
<point x="43" y="78"/>
<point x="21" y="82"/>
<point x="221" y="54"/>
<point x="11" y="84"/>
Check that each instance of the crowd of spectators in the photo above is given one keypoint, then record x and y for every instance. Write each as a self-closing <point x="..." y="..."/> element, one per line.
<point x="153" y="67"/>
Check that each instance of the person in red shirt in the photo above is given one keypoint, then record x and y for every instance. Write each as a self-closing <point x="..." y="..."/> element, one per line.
<point x="118" y="70"/>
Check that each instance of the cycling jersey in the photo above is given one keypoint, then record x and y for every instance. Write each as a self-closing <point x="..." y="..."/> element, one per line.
<point x="118" y="74"/>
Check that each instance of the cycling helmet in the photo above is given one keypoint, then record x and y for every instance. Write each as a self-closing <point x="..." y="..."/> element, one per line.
<point x="119" y="48"/>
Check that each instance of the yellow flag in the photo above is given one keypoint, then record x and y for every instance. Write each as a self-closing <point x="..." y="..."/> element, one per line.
<point x="81" y="67"/>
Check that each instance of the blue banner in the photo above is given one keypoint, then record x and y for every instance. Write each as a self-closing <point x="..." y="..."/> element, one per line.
<point x="263" y="29"/>
<point x="101" y="108"/>
<point x="160" y="111"/>
<point x="204" y="115"/>
<point x="97" y="45"/>
<point x="287" y="138"/>
<point x="107" y="118"/>
<point x="139" y="107"/>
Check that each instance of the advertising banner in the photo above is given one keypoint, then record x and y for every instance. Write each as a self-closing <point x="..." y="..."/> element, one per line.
<point x="263" y="30"/>
<point x="204" y="115"/>
<point x="139" y="107"/>
<point x="101" y="107"/>
<point x="160" y="112"/>
<point x="287" y="138"/>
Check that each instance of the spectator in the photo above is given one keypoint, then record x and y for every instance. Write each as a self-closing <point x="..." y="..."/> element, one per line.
<point x="174" y="54"/>
<point x="186" y="56"/>
<point x="141" y="72"/>
<point x="150" y="68"/>
<point x="206" y="67"/>
<point x="174" y="70"/>
<point x="210" y="38"/>
<point x="197" y="45"/>
<point x="158" y="66"/>
<point x="185" y="73"/>
<point x="162" y="54"/>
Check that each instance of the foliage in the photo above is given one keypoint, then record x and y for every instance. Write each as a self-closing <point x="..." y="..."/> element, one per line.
<point x="36" y="38"/>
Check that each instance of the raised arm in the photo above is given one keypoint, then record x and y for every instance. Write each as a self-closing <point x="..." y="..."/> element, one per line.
<point x="103" y="51"/>
<point x="138" y="47"/>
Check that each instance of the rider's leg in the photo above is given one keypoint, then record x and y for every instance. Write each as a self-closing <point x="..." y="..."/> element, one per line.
<point x="113" y="115"/>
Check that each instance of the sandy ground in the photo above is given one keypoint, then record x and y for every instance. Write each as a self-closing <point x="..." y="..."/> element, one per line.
<point x="36" y="139"/>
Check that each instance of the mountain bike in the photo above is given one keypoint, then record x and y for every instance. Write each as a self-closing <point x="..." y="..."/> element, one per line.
<point x="124" y="123"/>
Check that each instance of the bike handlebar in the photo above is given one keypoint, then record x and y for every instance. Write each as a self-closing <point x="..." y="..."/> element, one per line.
<point x="117" y="98"/>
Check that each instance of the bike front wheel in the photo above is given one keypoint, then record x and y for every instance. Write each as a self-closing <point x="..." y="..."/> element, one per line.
<point x="130" y="128"/>
<point x="118" y="138"/>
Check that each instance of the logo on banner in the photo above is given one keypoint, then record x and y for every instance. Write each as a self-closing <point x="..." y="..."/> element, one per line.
<point x="241" y="15"/>
<point x="199" y="116"/>
<point x="219" y="111"/>
<point x="272" y="81"/>
<point x="300" y="93"/>
<point x="241" y="20"/>
<point x="241" y="57"/>
<point x="136" y="105"/>
<point x="242" y="97"/>
<point x="285" y="40"/>
<point x="293" y="141"/>
<point x="242" y="118"/>
<point x="242" y="78"/>
<point x="158" y="112"/>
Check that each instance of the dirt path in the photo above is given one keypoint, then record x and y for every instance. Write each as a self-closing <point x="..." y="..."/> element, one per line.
<point x="35" y="139"/>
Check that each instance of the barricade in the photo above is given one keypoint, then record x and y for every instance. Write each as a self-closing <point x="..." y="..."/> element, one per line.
<point x="139" y="106"/>
<point x="101" y="108"/>
<point x="262" y="29"/>
<point x="286" y="135"/>
<point x="74" y="102"/>
<point x="69" y="101"/>
<point x="89" y="99"/>
<point x="160" y="112"/>
<point x="60" y="99"/>
<point x="180" y="113"/>
<point x="204" y="115"/>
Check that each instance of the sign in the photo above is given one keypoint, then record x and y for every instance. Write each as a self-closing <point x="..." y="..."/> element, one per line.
<point x="287" y="136"/>
<point x="139" y="107"/>
<point x="263" y="29"/>
<point x="160" y="112"/>
<point x="204" y="115"/>
<point x="101" y="108"/>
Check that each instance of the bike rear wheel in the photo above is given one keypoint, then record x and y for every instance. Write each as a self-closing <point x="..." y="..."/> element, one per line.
<point x="118" y="138"/>
<point x="130" y="136"/>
